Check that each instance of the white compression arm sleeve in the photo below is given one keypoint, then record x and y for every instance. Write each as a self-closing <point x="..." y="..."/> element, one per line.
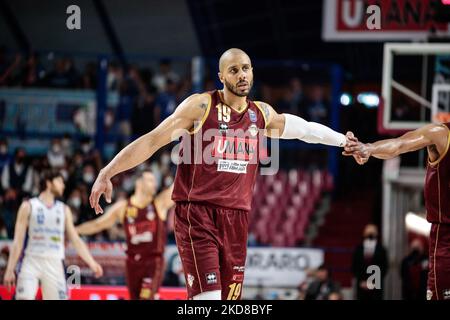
<point x="311" y="132"/>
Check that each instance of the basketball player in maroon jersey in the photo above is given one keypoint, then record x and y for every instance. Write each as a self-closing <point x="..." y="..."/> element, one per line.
<point x="144" y="217"/>
<point x="213" y="198"/>
<point x="437" y="201"/>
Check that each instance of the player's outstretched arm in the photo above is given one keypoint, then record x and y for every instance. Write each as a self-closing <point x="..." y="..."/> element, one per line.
<point x="288" y="126"/>
<point x="80" y="246"/>
<point x="185" y="116"/>
<point x="103" y="222"/>
<point x="432" y="134"/>
<point x="20" y="230"/>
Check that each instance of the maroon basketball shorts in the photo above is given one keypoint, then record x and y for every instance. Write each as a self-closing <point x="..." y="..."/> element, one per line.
<point x="144" y="277"/>
<point x="438" y="287"/>
<point x="212" y="243"/>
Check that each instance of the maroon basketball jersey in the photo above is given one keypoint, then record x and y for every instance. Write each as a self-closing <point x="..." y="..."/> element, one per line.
<point x="145" y="231"/>
<point x="437" y="187"/>
<point x="223" y="154"/>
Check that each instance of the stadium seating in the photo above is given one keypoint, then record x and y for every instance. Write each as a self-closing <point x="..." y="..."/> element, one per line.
<point x="284" y="203"/>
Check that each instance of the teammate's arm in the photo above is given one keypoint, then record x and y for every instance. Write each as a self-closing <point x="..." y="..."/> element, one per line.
<point x="80" y="246"/>
<point x="288" y="126"/>
<point x="103" y="222"/>
<point x="431" y="134"/>
<point x="20" y="230"/>
<point x="164" y="201"/>
<point x="184" y="118"/>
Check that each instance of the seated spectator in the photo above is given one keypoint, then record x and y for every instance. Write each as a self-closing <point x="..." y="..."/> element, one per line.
<point x="59" y="77"/>
<point x="5" y="157"/>
<point x="18" y="175"/>
<point x="322" y="286"/>
<point x="165" y="73"/>
<point x="55" y="155"/>
<point x="167" y="100"/>
<point x="32" y="74"/>
<point x="145" y="112"/>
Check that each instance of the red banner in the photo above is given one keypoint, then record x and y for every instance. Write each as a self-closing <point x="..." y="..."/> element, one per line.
<point x="398" y="20"/>
<point x="105" y="293"/>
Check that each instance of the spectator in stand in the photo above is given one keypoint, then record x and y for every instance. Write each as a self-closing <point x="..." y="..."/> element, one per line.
<point x="89" y="154"/>
<point x="89" y="78"/>
<point x="369" y="253"/>
<point x="145" y="112"/>
<point x="165" y="73"/>
<point x="55" y="154"/>
<point x="167" y="100"/>
<point x="59" y="77"/>
<point x="5" y="157"/>
<point x="314" y="107"/>
<point x="322" y="286"/>
<point x="115" y="76"/>
<point x="414" y="272"/>
<point x="32" y="74"/>
<point x="18" y="175"/>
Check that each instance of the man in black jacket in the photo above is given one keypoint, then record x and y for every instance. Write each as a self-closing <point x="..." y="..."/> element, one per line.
<point x="369" y="253"/>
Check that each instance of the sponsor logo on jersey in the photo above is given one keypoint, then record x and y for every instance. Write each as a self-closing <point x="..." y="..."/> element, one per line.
<point x="40" y="216"/>
<point x="252" y="115"/>
<point x="234" y="148"/>
<point x="211" y="278"/>
<point x="190" y="280"/>
<point x="132" y="212"/>
<point x="238" y="277"/>
<point x="253" y="129"/>
<point x="55" y="239"/>
<point x="223" y="127"/>
<point x="233" y="166"/>
<point x="239" y="268"/>
<point x="429" y="294"/>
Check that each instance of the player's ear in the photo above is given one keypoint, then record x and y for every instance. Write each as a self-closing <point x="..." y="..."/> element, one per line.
<point x="219" y="74"/>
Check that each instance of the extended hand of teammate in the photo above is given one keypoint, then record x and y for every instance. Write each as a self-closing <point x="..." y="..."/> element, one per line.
<point x="101" y="186"/>
<point x="9" y="279"/>
<point x="97" y="269"/>
<point x="355" y="148"/>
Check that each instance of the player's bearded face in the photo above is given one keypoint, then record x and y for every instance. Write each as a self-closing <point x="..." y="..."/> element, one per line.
<point x="241" y="88"/>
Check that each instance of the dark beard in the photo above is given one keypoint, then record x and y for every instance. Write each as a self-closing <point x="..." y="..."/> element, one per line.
<point x="235" y="92"/>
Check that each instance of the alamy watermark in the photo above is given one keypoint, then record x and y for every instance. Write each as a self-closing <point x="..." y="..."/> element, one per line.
<point x="73" y="21"/>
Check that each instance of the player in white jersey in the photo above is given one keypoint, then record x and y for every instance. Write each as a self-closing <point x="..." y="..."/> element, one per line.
<point x="39" y="234"/>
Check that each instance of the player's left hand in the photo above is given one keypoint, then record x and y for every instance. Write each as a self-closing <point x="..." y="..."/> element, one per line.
<point x="359" y="151"/>
<point x="353" y="144"/>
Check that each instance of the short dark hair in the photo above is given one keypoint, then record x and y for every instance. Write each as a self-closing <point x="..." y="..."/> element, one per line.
<point x="48" y="175"/>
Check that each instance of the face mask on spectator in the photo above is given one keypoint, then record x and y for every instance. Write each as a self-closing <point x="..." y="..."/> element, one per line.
<point x="56" y="148"/>
<point x="75" y="202"/>
<point x="88" y="177"/>
<point x="66" y="143"/>
<point x="86" y="147"/>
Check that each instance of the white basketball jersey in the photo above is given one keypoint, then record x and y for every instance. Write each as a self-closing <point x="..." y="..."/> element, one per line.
<point x="46" y="228"/>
